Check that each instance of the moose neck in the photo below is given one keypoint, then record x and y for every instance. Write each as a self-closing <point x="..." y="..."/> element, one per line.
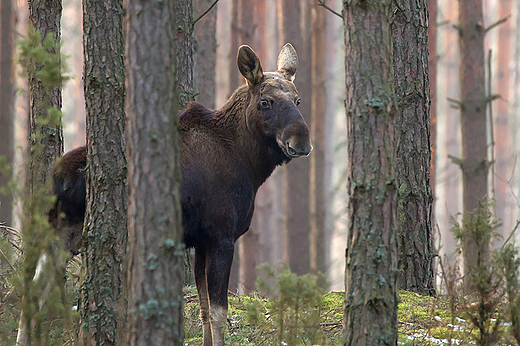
<point x="259" y="152"/>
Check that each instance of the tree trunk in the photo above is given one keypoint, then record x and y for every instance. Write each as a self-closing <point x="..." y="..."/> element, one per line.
<point x="105" y="233"/>
<point x="318" y="188"/>
<point x="503" y="154"/>
<point x="371" y="268"/>
<point x="473" y="117"/>
<point x="205" y="52"/>
<point x="251" y="31"/>
<point x="410" y="54"/>
<point x="432" y="73"/>
<point x="159" y="74"/>
<point x="45" y="16"/>
<point x="6" y="104"/>
<point x="46" y="145"/>
<point x="294" y="21"/>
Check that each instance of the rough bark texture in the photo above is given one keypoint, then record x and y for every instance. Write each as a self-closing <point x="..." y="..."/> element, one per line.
<point x="45" y="16"/>
<point x="105" y="233"/>
<point x="371" y="258"/>
<point x="205" y="52"/>
<point x="159" y="71"/>
<point x="432" y="74"/>
<point x="318" y="188"/>
<point x="294" y="22"/>
<point x="410" y="57"/>
<point x="6" y="103"/>
<point x="473" y="115"/>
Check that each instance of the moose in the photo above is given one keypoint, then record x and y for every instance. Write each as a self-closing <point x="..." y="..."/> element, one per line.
<point x="226" y="154"/>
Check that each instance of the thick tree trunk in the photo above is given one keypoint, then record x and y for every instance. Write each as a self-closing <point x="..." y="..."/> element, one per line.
<point x="410" y="58"/>
<point x="159" y="74"/>
<point x="318" y="174"/>
<point x="205" y="52"/>
<point x="473" y="116"/>
<point x="105" y="233"/>
<point x="371" y="268"/>
<point x="45" y="16"/>
<point x="294" y="23"/>
<point x="6" y="104"/>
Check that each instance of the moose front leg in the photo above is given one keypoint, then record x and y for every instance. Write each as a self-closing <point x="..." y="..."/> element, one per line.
<point x="218" y="268"/>
<point x="202" y="290"/>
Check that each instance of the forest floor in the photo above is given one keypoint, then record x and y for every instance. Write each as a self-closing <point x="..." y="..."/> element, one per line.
<point x="422" y="320"/>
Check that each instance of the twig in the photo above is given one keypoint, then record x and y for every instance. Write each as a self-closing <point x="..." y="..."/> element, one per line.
<point x="322" y="4"/>
<point x="457" y="102"/>
<point x="456" y="160"/>
<point x="202" y="15"/>
<point x="510" y="236"/>
<point x="501" y="21"/>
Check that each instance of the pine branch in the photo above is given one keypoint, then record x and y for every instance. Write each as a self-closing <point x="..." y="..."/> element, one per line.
<point x="322" y="4"/>
<point x="492" y="26"/>
<point x="202" y="15"/>
<point x="456" y="160"/>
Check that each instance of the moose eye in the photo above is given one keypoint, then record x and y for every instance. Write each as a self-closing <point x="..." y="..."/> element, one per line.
<point x="265" y="103"/>
<point x="298" y="101"/>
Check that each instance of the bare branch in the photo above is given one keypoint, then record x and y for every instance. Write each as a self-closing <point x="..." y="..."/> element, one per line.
<point x="510" y="236"/>
<point x="322" y="4"/>
<point x="456" y="160"/>
<point x="455" y="103"/>
<point x="492" y="26"/>
<point x="202" y="15"/>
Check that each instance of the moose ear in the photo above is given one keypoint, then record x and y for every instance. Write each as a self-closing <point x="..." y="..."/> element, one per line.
<point x="288" y="61"/>
<point x="249" y="65"/>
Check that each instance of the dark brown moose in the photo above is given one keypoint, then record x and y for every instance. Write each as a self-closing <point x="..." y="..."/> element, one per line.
<point x="226" y="154"/>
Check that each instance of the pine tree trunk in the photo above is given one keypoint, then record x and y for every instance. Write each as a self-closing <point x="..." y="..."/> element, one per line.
<point x="371" y="259"/>
<point x="6" y="103"/>
<point x="410" y="57"/>
<point x="318" y="188"/>
<point x="159" y="75"/>
<point x="45" y="16"/>
<point x="251" y="19"/>
<point x="432" y="73"/>
<point x="205" y="52"/>
<point x="503" y="155"/>
<point x="293" y="15"/>
<point x="473" y="116"/>
<point x="105" y="235"/>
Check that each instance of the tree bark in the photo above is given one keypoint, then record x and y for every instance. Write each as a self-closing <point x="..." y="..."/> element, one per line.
<point x="45" y="16"/>
<point x="46" y="145"/>
<point x="159" y="71"/>
<point x="473" y="116"/>
<point x="105" y="233"/>
<point x="371" y="267"/>
<point x="432" y="73"/>
<point x="410" y="58"/>
<point x="294" y="23"/>
<point x="205" y="52"/>
<point x="6" y="104"/>
<point x="318" y="188"/>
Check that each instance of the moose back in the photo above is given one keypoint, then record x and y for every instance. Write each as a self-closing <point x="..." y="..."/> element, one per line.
<point x="226" y="154"/>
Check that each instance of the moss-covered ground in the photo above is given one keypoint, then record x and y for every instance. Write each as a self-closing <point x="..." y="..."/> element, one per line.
<point x="421" y="321"/>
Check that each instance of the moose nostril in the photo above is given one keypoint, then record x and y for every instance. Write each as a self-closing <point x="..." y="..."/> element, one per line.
<point x="291" y="150"/>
